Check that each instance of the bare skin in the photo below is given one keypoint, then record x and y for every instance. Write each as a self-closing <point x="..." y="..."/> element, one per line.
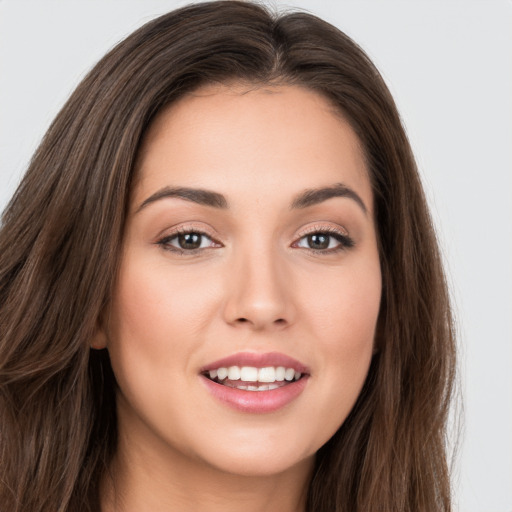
<point x="276" y="268"/>
<point x="161" y="487"/>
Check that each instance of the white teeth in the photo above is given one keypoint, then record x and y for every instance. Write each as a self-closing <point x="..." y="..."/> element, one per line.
<point x="222" y="373"/>
<point x="249" y="374"/>
<point x="267" y="374"/>
<point x="263" y="387"/>
<point x="289" y="374"/>
<point x="233" y="373"/>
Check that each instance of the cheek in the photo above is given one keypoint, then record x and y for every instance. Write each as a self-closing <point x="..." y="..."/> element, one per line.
<point x="160" y="305"/>
<point x="346" y="306"/>
<point x="154" y="331"/>
<point x="343" y="317"/>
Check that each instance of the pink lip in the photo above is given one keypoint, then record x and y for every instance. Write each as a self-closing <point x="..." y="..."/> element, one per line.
<point x="256" y="402"/>
<point x="258" y="361"/>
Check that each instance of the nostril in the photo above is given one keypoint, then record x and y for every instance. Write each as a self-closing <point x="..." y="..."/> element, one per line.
<point x="260" y="323"/>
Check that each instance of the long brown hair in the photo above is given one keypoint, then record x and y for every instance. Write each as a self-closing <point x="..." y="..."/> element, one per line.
<point x="59" y="249"/>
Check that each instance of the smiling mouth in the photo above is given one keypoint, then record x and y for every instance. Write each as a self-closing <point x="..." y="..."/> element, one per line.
<point x="251" y="378"/>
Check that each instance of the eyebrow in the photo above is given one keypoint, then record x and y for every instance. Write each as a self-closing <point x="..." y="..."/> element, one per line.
<point x="319" y="195"/>
<point x="204" y="197"/>
<point x="195" y="195"/>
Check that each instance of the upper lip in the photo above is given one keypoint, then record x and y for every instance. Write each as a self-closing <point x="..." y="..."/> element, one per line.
<point x="258" y="360"/>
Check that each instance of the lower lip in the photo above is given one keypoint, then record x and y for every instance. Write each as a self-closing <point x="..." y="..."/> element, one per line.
<point x="257" y="402"/>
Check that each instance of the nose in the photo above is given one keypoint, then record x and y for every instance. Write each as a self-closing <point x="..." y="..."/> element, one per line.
<point x="259" y="293"/>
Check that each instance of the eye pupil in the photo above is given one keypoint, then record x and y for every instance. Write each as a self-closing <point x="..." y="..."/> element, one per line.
<point x="189" y="240"/>
<point x="318" y="241"/>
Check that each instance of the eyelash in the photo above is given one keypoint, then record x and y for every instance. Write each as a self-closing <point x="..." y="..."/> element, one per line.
<point x="344" y="241"/>
<point x="165" y="242"/>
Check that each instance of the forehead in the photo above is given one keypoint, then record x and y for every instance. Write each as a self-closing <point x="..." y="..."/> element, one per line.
<point x="262" y="139"/>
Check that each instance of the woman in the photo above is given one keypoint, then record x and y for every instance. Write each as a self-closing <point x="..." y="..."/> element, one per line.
<point x="220" y="284"/>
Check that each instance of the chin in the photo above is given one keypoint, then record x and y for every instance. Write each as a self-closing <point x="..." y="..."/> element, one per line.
<point x="257" y="452"/>
<point x="262" y="465"/>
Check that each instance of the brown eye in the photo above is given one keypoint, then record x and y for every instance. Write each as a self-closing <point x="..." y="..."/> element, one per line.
<point x="318" y="241"/>
<point x="189" y="240"/>
<point x="325" y="242"/>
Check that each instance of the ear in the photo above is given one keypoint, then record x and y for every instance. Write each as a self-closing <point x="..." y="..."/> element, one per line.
<point x="99" y="339"/>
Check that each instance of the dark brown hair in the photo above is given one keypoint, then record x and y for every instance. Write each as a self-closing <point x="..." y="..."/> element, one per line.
<point x="60" y="242"/>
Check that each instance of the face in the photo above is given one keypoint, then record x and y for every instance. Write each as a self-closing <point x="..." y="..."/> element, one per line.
<point x="242" y="324"/>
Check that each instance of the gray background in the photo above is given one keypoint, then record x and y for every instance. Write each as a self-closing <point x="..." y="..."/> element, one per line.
<point x="449" y="66"/>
